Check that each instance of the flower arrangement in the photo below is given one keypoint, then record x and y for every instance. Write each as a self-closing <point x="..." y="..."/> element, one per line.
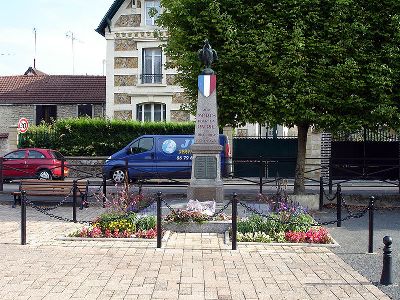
<point x="314" y="235"/>
<point x="181" y="215"/>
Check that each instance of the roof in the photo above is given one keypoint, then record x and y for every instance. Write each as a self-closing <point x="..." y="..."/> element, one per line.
<point x="109" y="15"/>
<point x="52" y="89"/>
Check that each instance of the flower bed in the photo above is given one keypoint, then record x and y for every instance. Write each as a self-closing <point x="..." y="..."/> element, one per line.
<point x="284" y="222"/>
<point x="114" y="225"/>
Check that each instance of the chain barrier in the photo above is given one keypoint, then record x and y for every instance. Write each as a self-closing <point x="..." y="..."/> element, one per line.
<point x="352" y="216"/>
<point x="145" y="207"/>
<point x="220" y="211"/>
<point x="327" y="196"/>
<point x="45" y="212"/>
<point x="58" y="204"/>
<point x="168" y="206"/>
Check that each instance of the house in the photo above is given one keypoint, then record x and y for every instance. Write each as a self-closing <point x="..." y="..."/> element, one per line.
<point x="138" y="86"/>
<point x="40" y="97"/>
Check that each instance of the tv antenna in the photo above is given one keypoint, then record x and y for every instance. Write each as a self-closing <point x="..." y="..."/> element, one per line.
<point x="71" y="35"/>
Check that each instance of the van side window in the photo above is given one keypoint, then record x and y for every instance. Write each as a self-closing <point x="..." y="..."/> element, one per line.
<point x="143" y="145"/>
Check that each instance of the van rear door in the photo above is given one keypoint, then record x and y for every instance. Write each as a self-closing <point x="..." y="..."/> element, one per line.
<point x="174" y="157"/>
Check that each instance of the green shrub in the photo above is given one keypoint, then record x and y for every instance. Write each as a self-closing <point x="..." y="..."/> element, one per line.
<point x="97" y="136"/>
<point x="146" y="223"/>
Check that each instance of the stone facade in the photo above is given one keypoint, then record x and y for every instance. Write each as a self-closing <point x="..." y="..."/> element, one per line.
<point x="66" y="111"/>
<point x="313" y="155"/>
<point x="170" y="78"/>
<point x="128" y="21"/>
<point x="98" y="111"/>
<point x="179" y="98"/>
<point x="123" y="114"/>
<point x="10" y="114"/>
<point x="125" y="62"/>
<point x="125" y="45"/>
<point x="180" y="116"/>
<point x="125" y="80"/>
<point x="122" y="98"/>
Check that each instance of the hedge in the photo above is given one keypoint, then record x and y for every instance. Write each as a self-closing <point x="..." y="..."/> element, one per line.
<point x="97" y="136"/>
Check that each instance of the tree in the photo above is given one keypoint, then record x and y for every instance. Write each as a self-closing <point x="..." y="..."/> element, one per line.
<point x="330" y="64"/>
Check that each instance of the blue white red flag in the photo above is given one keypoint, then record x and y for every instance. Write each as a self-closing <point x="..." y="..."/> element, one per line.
<point x="207" y="84"/>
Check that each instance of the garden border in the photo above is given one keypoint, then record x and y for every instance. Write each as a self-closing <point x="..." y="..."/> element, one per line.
<point x="121" y="239"/>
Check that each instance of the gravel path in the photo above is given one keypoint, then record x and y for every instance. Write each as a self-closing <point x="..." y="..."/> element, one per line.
<point x="353" y="238"/>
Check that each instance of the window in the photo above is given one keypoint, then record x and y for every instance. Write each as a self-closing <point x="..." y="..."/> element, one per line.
<point x="35" y="154"/>
<point x="151" y="112"/>
<point x="152" y="11"/>
<point x="85" y="110"/>
<point x="16" y="154"/>
<point x="152" y="67"/>
<point x="142" y="145"/>
<point x="46" y="113"/>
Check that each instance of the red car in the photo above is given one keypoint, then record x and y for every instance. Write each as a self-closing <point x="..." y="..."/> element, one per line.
<point x="33" y="163"/>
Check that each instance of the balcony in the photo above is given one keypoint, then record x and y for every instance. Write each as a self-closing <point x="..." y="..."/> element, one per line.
<point x="151" y="78"/>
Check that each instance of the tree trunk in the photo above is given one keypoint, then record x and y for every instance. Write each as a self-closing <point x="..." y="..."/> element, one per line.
<point x="301" y="159"/>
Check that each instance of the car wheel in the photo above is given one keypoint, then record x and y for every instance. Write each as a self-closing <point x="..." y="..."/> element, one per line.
<point x="45" y="175"/>
<point x="118" y="176"/>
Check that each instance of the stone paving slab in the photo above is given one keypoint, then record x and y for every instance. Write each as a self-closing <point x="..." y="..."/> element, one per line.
<point x="189" y="266"/>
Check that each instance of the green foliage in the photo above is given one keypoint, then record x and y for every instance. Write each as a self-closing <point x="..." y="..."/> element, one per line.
<point x="332" y="64"/>
<point x="96" y="137"/>
<point x="275" y="225"/>
<point x="181" y="216"/>
<point x="146" y="223"/>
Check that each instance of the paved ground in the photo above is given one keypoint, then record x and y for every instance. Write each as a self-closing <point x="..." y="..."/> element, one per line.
<point x="189" y="266"/>
<point x="353" y="238"/>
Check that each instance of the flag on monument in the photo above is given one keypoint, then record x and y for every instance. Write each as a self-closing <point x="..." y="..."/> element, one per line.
<point x="207" y="84"/>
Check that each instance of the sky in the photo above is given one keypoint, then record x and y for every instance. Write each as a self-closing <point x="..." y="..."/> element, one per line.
<point x="53" y="19"/>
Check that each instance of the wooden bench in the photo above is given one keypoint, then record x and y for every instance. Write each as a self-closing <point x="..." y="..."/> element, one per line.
<point x="36" y="187"/>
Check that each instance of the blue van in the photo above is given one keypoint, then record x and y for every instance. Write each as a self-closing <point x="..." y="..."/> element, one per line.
<point x="159" y="156"/>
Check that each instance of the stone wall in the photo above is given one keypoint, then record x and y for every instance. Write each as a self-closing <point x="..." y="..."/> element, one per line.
<point x="66" y="111"/>
<point x="85" y="166"/>
<point x="98" y="111"/>
<point x="313" y="155"/>
<point x="10" y="114"/>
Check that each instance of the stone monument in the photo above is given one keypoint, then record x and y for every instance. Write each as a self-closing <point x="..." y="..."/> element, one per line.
<point x="205" y="182"/>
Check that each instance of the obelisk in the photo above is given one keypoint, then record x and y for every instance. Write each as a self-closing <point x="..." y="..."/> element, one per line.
<point x="205" y="182"/>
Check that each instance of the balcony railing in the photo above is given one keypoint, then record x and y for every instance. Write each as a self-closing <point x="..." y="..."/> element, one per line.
<point x="151" y="78"/>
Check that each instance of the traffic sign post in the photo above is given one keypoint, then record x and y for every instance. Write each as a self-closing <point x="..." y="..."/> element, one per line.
<point x="23" y="125"/>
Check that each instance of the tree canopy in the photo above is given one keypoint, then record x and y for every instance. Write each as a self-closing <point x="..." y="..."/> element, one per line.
<point x="330" y="63"/>
<point x="333" y="64"/>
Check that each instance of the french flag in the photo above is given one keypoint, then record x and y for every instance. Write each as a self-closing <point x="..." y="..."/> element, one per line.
<point x="207" y="84"/>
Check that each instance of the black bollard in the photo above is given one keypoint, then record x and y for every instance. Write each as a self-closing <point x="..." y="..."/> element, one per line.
<point x="321" y="192"/>
<point x="23" y="218"/>
<point x="386" y="277"/>
<point x="104" y="190"/>
<point x="159" y="228"/>
<point x="261" y="173"/>
<point x="1" y="173"/>
<point x="330" y="184"/>
<point x="234" y="221"/>
<point x="339" y="205"/>
<point x="74" y="194"/>
<point x="371" y="225"/>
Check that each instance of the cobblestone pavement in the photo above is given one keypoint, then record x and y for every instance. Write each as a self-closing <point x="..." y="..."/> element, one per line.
<point x="189" y="266"/>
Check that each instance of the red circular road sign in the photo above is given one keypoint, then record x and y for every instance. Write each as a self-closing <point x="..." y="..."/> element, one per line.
<point x="23" y="125"/>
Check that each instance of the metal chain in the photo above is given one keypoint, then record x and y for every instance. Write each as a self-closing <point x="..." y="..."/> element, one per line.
<point x="58" y="204"/>
<point x="217" y="213"/>
<point x="327" y="197"/>
<point x="353" y="216"/>
<point x="169" y="206"/>
<point x="45" y="212"/>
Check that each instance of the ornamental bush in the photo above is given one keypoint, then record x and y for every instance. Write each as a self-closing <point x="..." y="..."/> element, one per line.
<point x="95" y="136"/>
